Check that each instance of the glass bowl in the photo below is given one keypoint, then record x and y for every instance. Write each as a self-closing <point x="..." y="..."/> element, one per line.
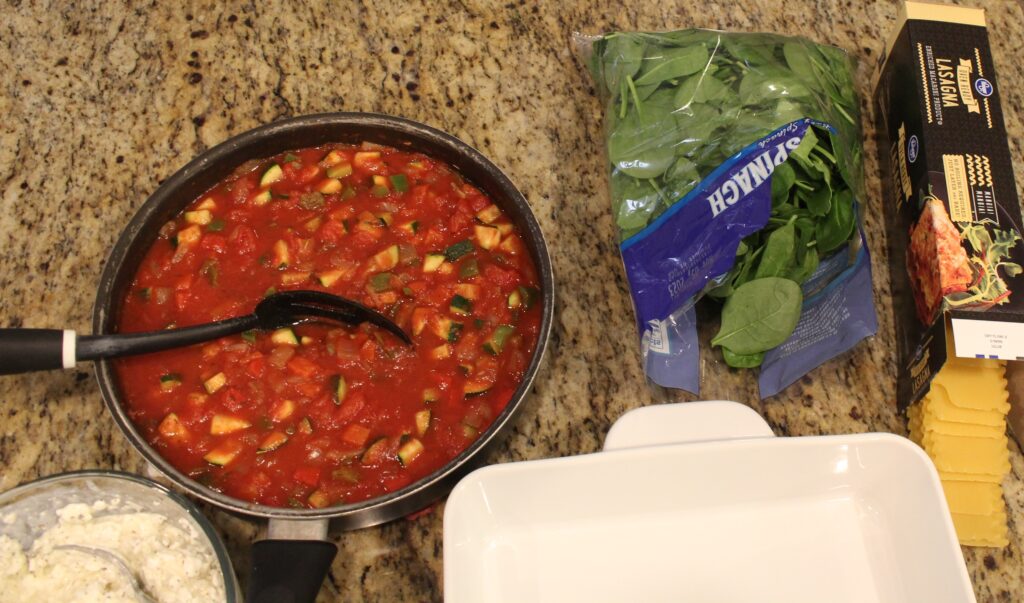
<point x="28" y="510"/>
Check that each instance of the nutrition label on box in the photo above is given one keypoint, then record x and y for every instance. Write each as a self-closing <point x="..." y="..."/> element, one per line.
<point x="988" y="339"/>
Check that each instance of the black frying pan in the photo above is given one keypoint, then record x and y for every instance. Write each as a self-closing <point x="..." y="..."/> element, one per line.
<point x="291" y="563"/>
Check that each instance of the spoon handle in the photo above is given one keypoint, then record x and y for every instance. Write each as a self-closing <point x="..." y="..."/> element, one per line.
<point x="94" y="347"/>
<point x="27" y="350"/>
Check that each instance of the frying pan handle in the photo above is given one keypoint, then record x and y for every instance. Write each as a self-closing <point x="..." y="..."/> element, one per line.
<point x="26" y="350"/>
<point x="289" y="571"/>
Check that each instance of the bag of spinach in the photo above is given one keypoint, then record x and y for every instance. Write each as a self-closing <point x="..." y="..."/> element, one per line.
<point x="735" y="168"/>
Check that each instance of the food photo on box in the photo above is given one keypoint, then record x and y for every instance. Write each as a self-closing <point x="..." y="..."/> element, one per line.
<point x="506" y="302"/>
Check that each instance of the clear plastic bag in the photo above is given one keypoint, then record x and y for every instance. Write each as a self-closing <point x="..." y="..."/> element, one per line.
<point x="734" y="166"/>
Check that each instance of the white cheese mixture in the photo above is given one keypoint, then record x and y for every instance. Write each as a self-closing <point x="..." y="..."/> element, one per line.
<point x="172" y="563"/>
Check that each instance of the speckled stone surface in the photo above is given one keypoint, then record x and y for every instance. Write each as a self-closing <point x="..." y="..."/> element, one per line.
<point x="102" y="101"/>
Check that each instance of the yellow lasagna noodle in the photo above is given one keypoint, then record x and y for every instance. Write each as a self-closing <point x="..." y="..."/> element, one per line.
<point x="981" y="530"/>
<point x="938" y="405"/>
<point x="974" y="498"/>
<point x="968" y="455"/>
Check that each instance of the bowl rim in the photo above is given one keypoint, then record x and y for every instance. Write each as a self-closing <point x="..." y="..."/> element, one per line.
<point x="206" y="529"/>
<point x="416" y="495"/>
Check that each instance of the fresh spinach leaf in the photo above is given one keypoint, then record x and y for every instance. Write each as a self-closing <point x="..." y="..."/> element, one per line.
<point x="759" y="315"/>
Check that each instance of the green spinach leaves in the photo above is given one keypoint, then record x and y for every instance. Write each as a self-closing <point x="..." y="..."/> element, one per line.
<point x="682" y="103"/>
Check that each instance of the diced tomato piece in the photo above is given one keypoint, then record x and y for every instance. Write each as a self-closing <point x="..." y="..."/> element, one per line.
<point x="215" y="243"/>
<point x="308" y="388"/>
<point x="241" y="190"/>
<point x="181" y="298"/>
<point x="500" y="276"/>
<point x="307" y="475"/>
<point x="308" y="174"/>
<point x="351" y="407"/>
<point x="302" y="367"/>
<point x="460" y="221"/>
<point x="331" y="232"/>
<point x="369" y="351"/>
<point x="243" y="240"/>
<point x="254" y="368"/>
<point x="355" y="434"/>
<point x="234" y="399"/>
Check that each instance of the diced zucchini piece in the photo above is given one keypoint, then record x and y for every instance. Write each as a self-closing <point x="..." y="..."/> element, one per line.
<point x="285" y="336"/>
<point x="515" y="299"/>
<point x="342" y="170"/>
<point x="363" y="159"/>
<point x="497" y="341"/>
<point x="294" y="278"/>
<point x="318" y="499"/>
<point x="196" y="398"/>
<point x="273" y="441"/>
<point x="460" y="305"/>
<point x="169" y="381"/>
<point x="171" y="427"/>
<point x="431" y="395"/>
<point x="468" y="290"/>
<point x="207" y="203"/>
<point x="441" y="352"/>
<point x="411" y="227"/>
<point x="223" y="454"/>
<point x="408" y="451"/>
<point x="505" y="228"/>
<point x="422" y="422"/>
<point x="530" y="296"/>
<point x="281" y="254"/>
<point x="215" y="382"/>
<point x="199" y="216"/>
<point x="313" y="224"/>
<point x="292" y="158"/>
<point x="380" y="282"/>
<point x="222" y="424"/>
<point x="346" y="474"/>
<point x="420" y="317"/>
<point x="380" y="181"/>
<point x="272" y="175"/>
<point x="400" y="183"/>
<point x="432" y="262"/>
<point x="306" y="340"/>
<point x="262" y="198"/>
<point x="489" y="214"/>
<point x="387" y="259"/>
<point x="386" y="218"/>
<point x="339" y="389"/>
<point x="330" y="277"/>
<point x="375" y="453"/>
<point x="466" y="368"/>
<point x="469" y="432"/>
<point x="475" y="388"/>
<point x="305" y="426"/>
<point x="144" y="293"/>
<point x="249" y="336"/>
<point x="453" y="331"/>
<point x="188" y="236"/>
<point x="442" y="326"/>
<point x="457" y="250"/>
<point x="216" y="225"/>
<point x="329" y="186"/>
<point x="282" y="410"/>
<point x="487" y="236"/>
<point x="511" y="245"/>
<point x="469" y="268"/>
<point x="332" y="159"/>
<point x="379" y="191"/>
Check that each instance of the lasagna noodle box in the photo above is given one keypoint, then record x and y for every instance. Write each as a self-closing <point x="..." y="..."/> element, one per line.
<point x="951" y="210"/>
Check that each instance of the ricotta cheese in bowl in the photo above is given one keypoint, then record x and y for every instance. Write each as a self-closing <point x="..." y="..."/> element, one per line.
<point x="163" y="540"/>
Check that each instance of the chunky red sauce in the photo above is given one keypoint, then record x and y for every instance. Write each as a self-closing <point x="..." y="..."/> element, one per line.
<point x="320" y="415"/>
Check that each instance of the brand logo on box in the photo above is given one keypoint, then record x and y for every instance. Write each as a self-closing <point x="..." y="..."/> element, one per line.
<point x="913" y="146"/>
<point x="984" y="87"/>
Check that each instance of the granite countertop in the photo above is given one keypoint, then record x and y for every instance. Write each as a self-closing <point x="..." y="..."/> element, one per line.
<point x="102" y="102"/>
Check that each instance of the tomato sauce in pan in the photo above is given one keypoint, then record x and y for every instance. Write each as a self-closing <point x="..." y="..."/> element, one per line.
<point x="319" y="415"/>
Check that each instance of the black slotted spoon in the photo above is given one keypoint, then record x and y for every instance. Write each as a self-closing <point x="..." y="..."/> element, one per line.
<point x="26" y="350"/>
